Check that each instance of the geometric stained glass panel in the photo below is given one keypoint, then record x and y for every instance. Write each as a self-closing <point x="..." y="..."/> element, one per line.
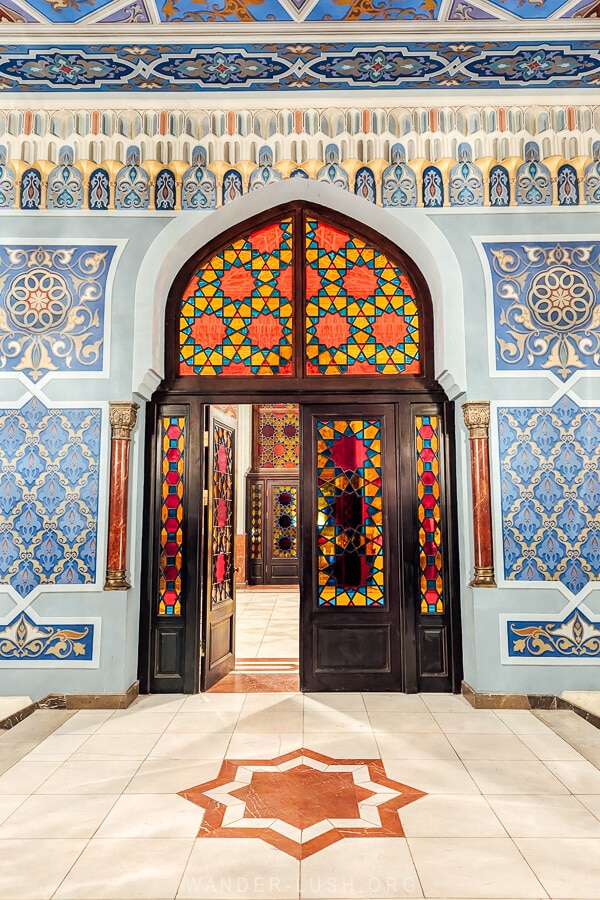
<point x="350" y="535"/>
<point x="285" y="521"/>
<point x="361" y="313"/>
<point x="222" y="541"/>
<point x="429" y="514"/>
<point x="256" y="520"/>
<point x="236" y="312"/>
<point x="171" y="530"/>
<point x="278" y="436"/>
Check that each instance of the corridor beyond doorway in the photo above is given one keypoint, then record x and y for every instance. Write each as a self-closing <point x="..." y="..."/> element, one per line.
<point x="267" y="636"/>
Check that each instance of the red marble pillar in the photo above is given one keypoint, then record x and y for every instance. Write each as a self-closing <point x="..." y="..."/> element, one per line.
<point x="477" y="420"/>
<point x="123" y="417"/>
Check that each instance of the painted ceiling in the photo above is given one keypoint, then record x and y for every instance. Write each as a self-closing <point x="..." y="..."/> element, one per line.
<point x="120" y="12"/>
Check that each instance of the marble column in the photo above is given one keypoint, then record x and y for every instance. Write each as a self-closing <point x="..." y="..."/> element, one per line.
<point x="477" y="420"/>
<point x="123" y="416"/>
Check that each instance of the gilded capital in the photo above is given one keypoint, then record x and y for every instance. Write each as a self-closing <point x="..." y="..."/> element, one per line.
<point x="477" y="418"/>
<point x="123" y="416"/>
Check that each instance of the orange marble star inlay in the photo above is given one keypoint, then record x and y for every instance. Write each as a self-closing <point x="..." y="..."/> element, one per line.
<point x="301" y="802"/>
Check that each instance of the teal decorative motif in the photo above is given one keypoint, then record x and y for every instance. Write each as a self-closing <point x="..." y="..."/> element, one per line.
<point x="133" y="183"/>
<point x="49" y="474"/>
<point x="550" y="485"/>
<point x="546" y="306"/>
<point x="265" y="173"/>
<point x="23" y="640"/>
<point x="65" y="183"/>
<point x="199" y="185"/>
<point x="466" y="180"/>
<point x="534" y="184"/>
<point x="52" y="302"/>
<point x="576" y="636"/>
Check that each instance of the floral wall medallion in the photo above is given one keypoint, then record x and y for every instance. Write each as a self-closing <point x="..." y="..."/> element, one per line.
<point x="546" y="306"/>
<point x="52" y="308"/>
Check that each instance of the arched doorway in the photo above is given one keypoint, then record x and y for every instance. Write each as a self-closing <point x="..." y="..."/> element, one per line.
<point x="304" y="306"/>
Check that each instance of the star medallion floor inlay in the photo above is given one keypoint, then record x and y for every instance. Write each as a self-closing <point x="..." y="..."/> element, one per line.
<point x="302" y="801"/>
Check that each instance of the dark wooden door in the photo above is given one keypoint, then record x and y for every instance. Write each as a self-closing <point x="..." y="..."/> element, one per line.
<point x="218" y="601"/>
<point x="350" y="549"/>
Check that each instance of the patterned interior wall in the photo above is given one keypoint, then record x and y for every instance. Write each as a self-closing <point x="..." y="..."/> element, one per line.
<point x="550" y="459"/>
<point x="54" y="299"/>
<point x="48" y="495"/>
<point x="546" y="306"/>
<point x="52" y="305"/>
<point x="550" y="479"/>
<point x="49" y="482"/>
<point x="278" y="435"/>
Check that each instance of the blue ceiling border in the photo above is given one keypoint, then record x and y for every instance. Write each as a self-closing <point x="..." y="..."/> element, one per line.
<point x="289" y="67"/>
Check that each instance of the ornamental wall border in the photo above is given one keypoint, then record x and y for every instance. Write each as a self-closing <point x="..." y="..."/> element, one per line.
<point x="301" y="131"/>
<point x="459" y="181"/>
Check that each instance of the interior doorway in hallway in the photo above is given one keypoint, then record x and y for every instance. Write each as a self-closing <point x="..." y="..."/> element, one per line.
<point x="267" y="639"/>
<point x="303" y="306"/>
<point x="267" y="560"/>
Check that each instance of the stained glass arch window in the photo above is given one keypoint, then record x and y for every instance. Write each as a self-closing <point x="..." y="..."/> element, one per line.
<point x="300" y="294"/>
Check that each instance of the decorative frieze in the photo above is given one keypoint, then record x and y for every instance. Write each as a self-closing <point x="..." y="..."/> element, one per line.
<point x="458" y="181"/>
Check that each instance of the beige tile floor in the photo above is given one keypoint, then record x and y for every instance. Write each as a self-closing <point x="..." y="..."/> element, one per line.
<point x="89" y="804"/>
<point x="267" y="623"/>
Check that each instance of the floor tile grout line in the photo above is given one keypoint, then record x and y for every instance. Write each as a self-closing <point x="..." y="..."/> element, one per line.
<point x="530" y="867"/>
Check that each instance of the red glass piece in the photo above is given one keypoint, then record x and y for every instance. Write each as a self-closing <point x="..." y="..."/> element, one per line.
<point x="348" y="453"/>
<point x="220" y="568"/>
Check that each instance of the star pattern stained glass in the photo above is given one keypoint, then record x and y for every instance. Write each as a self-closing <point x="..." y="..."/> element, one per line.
<point x="429" y="513"/>
<point x="285" y="521"/>
<point x="361" y="310"/>
<point x="222" y="514"/>
<point x="278" y="436"/>
<point x="256" y="520"/>
<point x="171" y="530"/>
<point x="236" y="312"/>
<point x="350" y="513"/>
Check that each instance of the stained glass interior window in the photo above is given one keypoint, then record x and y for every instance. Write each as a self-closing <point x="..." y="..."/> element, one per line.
<point x="236" y="312"/>
<point x="429" y="513"/>
<point x="256" y="520"/>
<point x="171" y="530"/>
<point x="278" y="436"/>
<point x="350" y="513"/>
<point x="222" y="513"/>
<point x="285" y="521"/>
<point x="361" y="311"/>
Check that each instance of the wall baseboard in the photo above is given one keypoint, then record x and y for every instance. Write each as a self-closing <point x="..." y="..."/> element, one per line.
<point x="74" y="701"/>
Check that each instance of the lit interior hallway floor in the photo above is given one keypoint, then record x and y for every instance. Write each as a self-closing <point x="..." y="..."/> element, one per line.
<point x="334" y="796"/>
<point x="267" y="622"/>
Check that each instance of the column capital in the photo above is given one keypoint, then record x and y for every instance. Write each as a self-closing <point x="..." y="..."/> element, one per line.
<point x="477" y="418"/>
<point x="123" y="416"/>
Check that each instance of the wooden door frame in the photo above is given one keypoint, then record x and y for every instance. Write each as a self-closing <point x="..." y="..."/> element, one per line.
<point x="191" y="619"/>
<point x="193" y="392"/>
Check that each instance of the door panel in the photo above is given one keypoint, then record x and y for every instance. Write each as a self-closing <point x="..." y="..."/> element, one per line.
<point x="272" y="506"/>
<point x="350" y="550"/>
<point x="218" y="628"/>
